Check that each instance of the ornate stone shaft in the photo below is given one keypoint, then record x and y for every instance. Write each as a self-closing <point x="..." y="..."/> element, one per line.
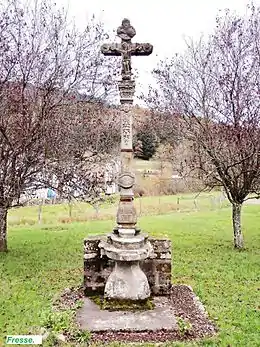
<point x="126" y="216"/>
<point x="126" y="246"/>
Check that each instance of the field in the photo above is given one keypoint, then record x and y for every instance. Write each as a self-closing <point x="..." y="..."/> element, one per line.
<point x="43" y="259"/>
<point x="81" y="212"/>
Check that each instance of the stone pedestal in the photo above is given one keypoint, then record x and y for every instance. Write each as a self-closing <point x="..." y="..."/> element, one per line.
<point x="127" y="280"/>
<point x="98" y="267"/>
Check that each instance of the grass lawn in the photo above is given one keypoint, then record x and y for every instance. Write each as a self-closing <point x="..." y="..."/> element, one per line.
<point x="152" y="164"/>
<point x="45" y="259"/>
<point x="81" y="212"/>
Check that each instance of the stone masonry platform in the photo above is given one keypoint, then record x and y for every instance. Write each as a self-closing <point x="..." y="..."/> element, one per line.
<point x="176" y="317"/>
<point x="92" y="318"/>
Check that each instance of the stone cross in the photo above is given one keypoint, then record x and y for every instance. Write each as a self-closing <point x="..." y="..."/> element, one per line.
<point x="126" y="49"/>
<point x="126" y="216"/>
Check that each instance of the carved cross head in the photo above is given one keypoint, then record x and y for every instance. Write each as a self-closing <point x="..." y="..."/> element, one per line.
<point x="126" y="49"/>
<point x="126" y="31"/>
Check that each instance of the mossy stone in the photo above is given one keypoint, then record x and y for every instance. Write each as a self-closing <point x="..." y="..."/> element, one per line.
<point x="123" y="305"/>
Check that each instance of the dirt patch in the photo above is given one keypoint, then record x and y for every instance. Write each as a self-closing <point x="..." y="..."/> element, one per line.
<point x="68" y="299"/>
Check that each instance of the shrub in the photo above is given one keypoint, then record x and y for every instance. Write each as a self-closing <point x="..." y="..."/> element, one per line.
<point x="145" y="144"/>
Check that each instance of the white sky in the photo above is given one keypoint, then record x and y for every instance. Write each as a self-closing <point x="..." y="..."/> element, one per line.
<point x="163" y="23"/>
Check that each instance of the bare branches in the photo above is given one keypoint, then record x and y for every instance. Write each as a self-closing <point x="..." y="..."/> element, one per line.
<point x="215" y="87"/>
<point x="49" y="71"/>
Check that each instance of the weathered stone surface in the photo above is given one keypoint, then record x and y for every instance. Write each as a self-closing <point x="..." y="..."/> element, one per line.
<point x="126" y="180"/>
<point x="126" y="255"/>
<point x="126" y="90"/>
<point x="126" y="49"/>
<point x="130" y="242"/>
<point x="127" y="281"/>
<point x="126" y="137"/>
<point x="157" y="267"/>
<point x="126" y="31"/>
<point x="126" y="165"/>
<point x="161" y="247"/>
<point x="126" y="232"/>
<point x="126" y="214"/>
<point x="117" y="49"/>
<point x="91" y="244"/>
<point x="96" y="269"/>
<point x="179" y="316"/>
<point x="92" y="318"/>
<point x="132" y="282"/>
<point x="125" y="252"/>
<point x="159" y="281"/>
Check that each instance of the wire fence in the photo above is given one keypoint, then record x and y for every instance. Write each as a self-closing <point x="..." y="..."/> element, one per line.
<point x="45" y="211"/>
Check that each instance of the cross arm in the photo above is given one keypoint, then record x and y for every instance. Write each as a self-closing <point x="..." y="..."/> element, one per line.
<point x="116" y="49"/>
<point x="141" y="49"/>
<point x="112" y="49"/>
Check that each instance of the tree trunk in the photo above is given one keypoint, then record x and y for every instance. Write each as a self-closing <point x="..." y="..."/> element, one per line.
<point x="41" y="203"/>
<point x="3" y="227"/>
<point x="70" y="208"/>
<point x="236" y="217"/>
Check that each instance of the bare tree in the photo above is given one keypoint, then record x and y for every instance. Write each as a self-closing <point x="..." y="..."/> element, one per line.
<point x="46" y="65"/>
<point x="86" y="141"/>
<point x="215" y="87"/>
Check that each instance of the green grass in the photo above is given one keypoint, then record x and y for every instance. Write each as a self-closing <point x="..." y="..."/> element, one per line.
<point x="43" y="260"/>
<point x="148" y="205"/>
<point x="152" y="164"/>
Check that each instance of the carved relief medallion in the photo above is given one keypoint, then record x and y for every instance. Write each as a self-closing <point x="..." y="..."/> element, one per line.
<point x="126" y="180"/>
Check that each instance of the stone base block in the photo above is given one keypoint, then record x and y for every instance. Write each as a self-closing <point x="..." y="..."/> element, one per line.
<point x="92" y="318"/>
<point x="176" y="317"/>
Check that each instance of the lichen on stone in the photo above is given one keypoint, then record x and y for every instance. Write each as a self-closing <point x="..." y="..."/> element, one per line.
<point x="122" y="305"/>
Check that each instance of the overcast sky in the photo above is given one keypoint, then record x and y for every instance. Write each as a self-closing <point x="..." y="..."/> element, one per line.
<point x="163" y="23"/>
